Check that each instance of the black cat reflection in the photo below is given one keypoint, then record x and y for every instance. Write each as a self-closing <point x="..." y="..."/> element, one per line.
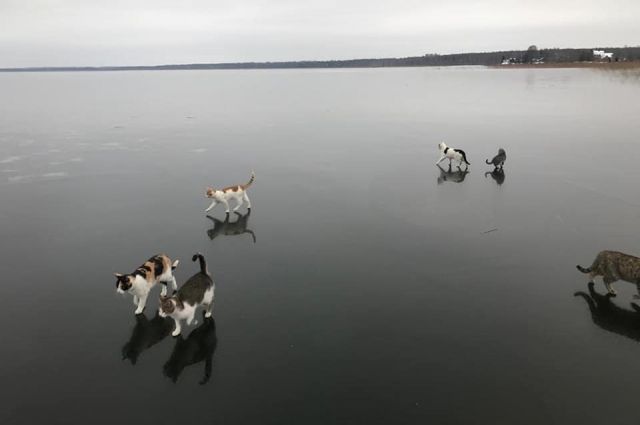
<point x="227" y="227"/>
<point x="610" y="316"/>
<point x="146" y="333"/>
<point x="198" y="347"/>
<point x="497" y="175"/>
<point x="448" y="175"/>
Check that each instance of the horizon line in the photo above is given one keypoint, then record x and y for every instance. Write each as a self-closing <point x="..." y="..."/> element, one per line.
<point x="234" y="65"/>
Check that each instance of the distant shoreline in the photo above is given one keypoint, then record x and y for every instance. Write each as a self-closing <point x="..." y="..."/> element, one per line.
<point x="552" y="58"/>
<point x="594" y="65"/>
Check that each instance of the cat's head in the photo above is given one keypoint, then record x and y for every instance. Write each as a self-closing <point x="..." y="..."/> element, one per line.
<point x="500" y="151"/>
<point x="124" y="282"/>
<point x="441" y="146"/>
<point x="167" y="305"/>
<point x="210" y="192"/>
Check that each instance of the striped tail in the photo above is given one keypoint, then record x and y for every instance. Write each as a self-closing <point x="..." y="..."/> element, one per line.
<point x="250" y="182"/>
<point x="583" y="270"/>
<point x="203" y="262"/>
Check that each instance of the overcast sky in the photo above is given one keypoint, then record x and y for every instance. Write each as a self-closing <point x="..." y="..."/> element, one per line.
<point x="147" y="32"/>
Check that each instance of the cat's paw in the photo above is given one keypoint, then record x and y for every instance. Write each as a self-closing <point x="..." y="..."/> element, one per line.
<point x="207" y="314"/>
<point x="175" y="333"/>
<point x="613" y="293"/>
<point x="138" y="311"/>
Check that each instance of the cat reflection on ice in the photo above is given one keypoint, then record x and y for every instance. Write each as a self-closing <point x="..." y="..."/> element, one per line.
<point x="230" y="228"/>
<point x="610" y="316"/>
<point x="146" y="333"/>
<point x="452" y="176"/>
<point x="497" y="175"/>
<point x="198" y="347"/>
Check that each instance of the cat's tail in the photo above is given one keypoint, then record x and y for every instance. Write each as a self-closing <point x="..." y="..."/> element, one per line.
<point x="464" y="157"/>
<point x="583" y="270"/>
<point x="250" y="182"/>
<point x="203" y="262"/>
<point x="488" y="162"/>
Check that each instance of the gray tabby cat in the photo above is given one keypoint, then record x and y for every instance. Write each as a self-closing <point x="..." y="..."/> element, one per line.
<point x="198" y="290"/>
<point x="614" y="266"/>
<point x="498" y="160"/>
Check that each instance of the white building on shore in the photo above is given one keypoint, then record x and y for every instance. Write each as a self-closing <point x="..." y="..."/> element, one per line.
<point x="601" y="54"/>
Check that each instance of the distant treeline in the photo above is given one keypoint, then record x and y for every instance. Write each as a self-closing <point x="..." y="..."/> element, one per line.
<point x="457" y="59"/>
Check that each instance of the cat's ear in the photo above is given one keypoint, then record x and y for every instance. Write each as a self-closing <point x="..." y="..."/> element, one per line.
<point x="118" y="275"/>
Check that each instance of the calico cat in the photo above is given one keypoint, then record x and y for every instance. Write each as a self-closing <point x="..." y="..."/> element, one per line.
<point x="614" y="266"/>
<point x="452" y="176"/>
<point x="228" y="228"/>
<point x="498" y="160"/>
<point x="198" y="290"/>
<point x="199" y="346"/>
<point x="452" y="155"/>
<point x="157" y="269"/>
<point x="146" y="333"/>
<point x="237" y="192"/>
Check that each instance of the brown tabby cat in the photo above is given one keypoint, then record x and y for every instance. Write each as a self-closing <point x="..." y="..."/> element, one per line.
<point x="614" y="266"/>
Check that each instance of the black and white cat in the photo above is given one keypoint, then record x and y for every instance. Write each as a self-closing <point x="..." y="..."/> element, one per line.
<point x="452" y="155"/>
<point x="198" y="290"/>
<point x="157" y="269"/>
<point x="198" y="347"/>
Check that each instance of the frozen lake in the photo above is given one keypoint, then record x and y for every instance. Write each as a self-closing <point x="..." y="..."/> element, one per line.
<point x="379" y="289"/>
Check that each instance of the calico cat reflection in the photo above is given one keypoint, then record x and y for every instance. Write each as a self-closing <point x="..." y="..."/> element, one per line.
<point x="611" y="317"/>
<point x="146" y="333"/>
<point x="230" y="228"/>
<point x="198" y="347"/>
<point x="452" y="176"/>
<point x="497" y="174"/>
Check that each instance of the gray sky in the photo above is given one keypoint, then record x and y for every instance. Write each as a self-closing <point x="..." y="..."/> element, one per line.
<point x="148" y="32"/>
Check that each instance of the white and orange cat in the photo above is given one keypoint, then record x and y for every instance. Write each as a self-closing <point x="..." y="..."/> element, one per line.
<point x="223" y="196"/>
<point x="157" y="269"/>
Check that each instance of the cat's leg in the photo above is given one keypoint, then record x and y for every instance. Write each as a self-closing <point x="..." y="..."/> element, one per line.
<point x="174" y="284"/>
<point x="142" y="302"/>
<point x="226" y="204"/>
<point x="209" y="310"/>
<point x="213" y="204"/>
<point x="163" y="291"/>
<point x="178" y="328"/>
<point x="191" y="318"/>
<point x="441" y="159"/>
<point x="135" y="300"/>
<point x="246" y="199"/>
<point x="608" y="280"/>
<point x="240" y="201"/>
